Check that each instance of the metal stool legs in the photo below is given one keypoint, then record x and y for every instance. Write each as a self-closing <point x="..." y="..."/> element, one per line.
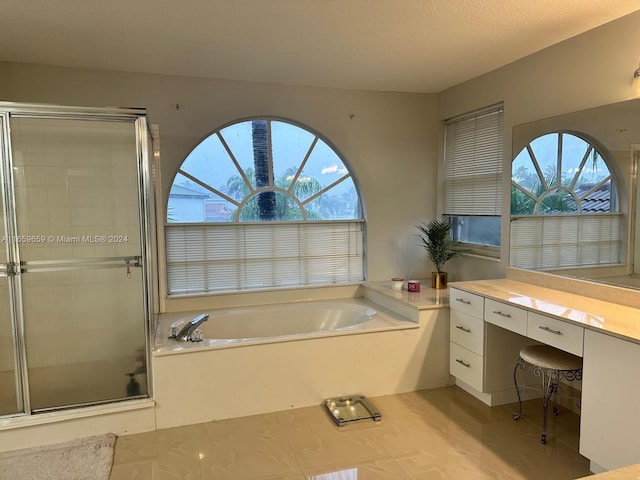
<point x="551" y="388"/>
<point x="516" y="416"/>
<point x="550" y="380"/>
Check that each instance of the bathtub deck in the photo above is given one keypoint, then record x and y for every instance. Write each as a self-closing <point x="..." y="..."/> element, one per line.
<point x="385" y="320"/>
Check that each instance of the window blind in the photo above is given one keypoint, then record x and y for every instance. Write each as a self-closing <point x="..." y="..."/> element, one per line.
<point x="473" y="163"/>
<point x="556" y="241"/>
<point x="230" y="257"/>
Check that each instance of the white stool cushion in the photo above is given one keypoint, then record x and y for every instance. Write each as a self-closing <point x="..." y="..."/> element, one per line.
<point x="546" y="356"/>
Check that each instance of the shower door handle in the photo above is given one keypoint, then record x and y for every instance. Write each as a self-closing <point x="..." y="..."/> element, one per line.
<point x="76" y="264"/>
<point x="10" y="269"/>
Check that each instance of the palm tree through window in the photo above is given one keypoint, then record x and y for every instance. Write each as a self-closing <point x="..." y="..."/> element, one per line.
<point x="263" y="170"/>
<point x="263" y="203"/>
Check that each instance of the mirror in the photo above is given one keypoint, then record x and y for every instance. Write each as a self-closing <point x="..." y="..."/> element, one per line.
<point x="608" y="239"/>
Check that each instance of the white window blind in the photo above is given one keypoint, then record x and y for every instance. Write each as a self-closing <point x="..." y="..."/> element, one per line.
<point x="230" y="257"/>
<point x="556" y="241"/>
<point x="473" y="163"/>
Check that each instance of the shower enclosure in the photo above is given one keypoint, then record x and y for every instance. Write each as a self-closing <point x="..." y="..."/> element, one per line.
<point x="74" y="277"/>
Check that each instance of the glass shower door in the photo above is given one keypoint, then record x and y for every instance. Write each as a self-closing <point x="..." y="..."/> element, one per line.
<point x="78" y="210"/>
<point x="10" y="384"/>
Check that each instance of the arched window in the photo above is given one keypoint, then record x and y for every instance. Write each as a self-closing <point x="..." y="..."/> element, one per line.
<point x="263" y="203"/>
<point x="564" y="204"/>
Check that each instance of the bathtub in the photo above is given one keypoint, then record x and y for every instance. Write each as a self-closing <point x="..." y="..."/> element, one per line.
<point x="278" y="323"/>
<point x="274" y="357"/>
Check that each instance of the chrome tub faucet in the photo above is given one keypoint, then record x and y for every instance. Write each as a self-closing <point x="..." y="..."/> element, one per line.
<point x="190" y="332"/>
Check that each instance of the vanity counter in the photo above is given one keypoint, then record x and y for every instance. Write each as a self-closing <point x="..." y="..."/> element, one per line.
<point x="605" y="334"/>
<point x="605" y="317"/>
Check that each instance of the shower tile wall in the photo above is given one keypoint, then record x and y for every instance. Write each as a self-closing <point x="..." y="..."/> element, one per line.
<point x="76" y="187"/>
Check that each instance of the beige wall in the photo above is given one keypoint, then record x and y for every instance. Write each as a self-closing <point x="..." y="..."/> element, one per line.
<point x="390" y="139"/>
<point x="589" y="70"/>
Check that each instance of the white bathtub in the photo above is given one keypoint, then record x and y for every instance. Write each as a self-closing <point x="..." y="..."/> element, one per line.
<point x="275" y="357"/>
<point x="278" y="323"/>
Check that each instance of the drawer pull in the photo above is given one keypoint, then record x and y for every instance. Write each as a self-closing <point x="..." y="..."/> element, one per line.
<point x="550" y="330"/>
<point x="506" y="315"/>
<point x="463" y="363"/>
<point x="462" y="300"/>
<point x="460" y="327"/>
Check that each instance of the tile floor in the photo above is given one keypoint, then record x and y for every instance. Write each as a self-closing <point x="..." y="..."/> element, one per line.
<point x="432" y="434"/>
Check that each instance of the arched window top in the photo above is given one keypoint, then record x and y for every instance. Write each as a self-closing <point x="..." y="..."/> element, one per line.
<point x="263" y="170"/>
<point x="561" y="172"/>
<point x="564" y="205"/>
<point x="263" y="203"/>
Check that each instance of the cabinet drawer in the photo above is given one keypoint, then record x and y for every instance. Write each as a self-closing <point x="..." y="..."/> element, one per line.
<point x="559" y="334"/>
<point x="505" y="316"/>
<point x="466" y="365"/>
<point x="467" y="331"/>
<point x="468" y="303"/>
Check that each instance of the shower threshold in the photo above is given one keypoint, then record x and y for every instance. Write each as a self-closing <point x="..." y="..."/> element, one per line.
<point x="349" y="409"/>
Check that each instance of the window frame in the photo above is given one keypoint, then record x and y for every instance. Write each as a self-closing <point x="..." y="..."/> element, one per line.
<point x="353" y="276"/>
<point x="588" y="253"/>
<point x="491" y="187"/>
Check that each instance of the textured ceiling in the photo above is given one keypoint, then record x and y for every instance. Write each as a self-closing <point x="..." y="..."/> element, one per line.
<point x="398" y="45"/>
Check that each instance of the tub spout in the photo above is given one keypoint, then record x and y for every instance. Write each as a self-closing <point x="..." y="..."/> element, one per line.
<point x="189" y="332"/>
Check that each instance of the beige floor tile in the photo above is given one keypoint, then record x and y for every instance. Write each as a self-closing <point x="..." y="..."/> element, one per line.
<point x="315" y="417"/>
<point x="432" y="434"/>
<point x="399" y="438"/>
<point x="287" y="476"/>
<point x="431" y="474"/>
<point x="379" y="469"/>
<point x="247" y="454"/>
<point x="446" y="465"/>
<point x="179" y="442"/>
<point x="132" y="471"/>
<point x="316" y="448"/>
<point x="246" y="425"/>
<point x="165" y="467"/>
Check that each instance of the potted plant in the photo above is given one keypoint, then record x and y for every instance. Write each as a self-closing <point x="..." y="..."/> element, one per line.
<point x="435" y="238"/>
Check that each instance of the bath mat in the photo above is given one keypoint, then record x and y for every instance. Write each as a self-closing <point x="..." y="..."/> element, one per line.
<point x="82" y="459"/>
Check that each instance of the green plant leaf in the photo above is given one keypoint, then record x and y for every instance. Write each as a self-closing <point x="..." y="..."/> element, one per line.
<point x="435" y="237"/>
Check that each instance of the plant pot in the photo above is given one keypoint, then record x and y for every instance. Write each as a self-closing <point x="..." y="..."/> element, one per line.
<point x="439" y="280"/>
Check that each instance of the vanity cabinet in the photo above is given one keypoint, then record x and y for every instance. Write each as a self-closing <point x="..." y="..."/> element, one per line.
<point x="483" y="354"/>
<point x="486" y="338"/>
<point x="466" y="325"/>
<point x="609" y="423"/>
<point x="604" y="334"/>
<point x="559" y="334"/>
<point x="505" y="316"/>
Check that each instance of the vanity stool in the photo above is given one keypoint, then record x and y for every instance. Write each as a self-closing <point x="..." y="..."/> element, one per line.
<point x="552" y="365"/>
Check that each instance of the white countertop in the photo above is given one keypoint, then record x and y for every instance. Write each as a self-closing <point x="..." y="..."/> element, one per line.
<point x="611" y="318"/>
<point x="427" y="298"/>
